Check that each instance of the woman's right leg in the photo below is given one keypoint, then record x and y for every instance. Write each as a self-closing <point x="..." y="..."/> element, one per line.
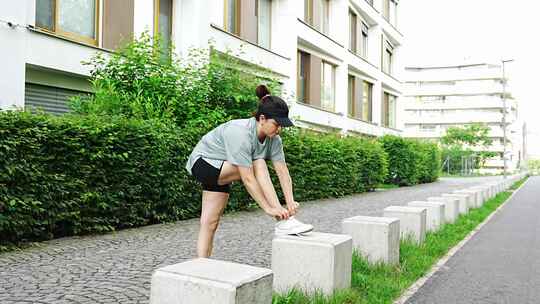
<point x="213" y="204"/>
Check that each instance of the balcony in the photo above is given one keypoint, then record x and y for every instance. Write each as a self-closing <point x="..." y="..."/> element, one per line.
<point x="442" y="74"/>
<point x="461" y="118"/>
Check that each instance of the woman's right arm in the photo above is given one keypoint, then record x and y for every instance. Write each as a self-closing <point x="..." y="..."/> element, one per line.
<point x="254" y="189"/>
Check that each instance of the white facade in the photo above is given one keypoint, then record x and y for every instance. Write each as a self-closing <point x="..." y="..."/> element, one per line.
<point x="437" y="98"/>
<point x="34" y="56"/>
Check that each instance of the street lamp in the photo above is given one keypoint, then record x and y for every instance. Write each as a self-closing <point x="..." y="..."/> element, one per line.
<point x="504" y="116"/>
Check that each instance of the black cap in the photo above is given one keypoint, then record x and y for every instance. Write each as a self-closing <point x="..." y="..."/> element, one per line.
<point x="274" y="107"/>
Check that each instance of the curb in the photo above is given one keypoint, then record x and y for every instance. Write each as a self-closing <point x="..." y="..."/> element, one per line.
<point x="407" y="294"/>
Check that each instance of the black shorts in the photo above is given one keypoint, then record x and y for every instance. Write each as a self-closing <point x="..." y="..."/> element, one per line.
<point x="208" y="176"/>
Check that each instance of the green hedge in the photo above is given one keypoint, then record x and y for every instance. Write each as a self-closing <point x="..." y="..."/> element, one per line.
<point x="74" y="175"/>
<point x="410" y="161"/>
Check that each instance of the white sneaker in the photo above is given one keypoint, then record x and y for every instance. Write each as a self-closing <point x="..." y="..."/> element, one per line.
<point x="291" y="226"/>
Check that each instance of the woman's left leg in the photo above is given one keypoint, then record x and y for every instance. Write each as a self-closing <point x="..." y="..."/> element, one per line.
<point x="213" y="204"/>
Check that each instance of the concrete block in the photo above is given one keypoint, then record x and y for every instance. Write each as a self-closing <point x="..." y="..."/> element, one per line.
<point x="434" y="213"/>
<point x="463" y="201"/>
<point x="476" y="196"/>
<point x="451" y="207"/>
<point x="318" y="261"/>
<point x="376" y="238"/>
<point x="211" y="281"/>
<point x="412" y="221"/>
<point x="483" y="193"/>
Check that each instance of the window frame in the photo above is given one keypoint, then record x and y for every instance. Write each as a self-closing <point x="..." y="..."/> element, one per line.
<point x="237" y="20"/>
<point x="333" y="85"/>
<point x="364" y="39"/>
<point x="257" y="14"/>
<point x="353" y="27"/>
<point x="369" y="116"/>
<point x="301" y="55"/>
<point x="156" y="19"/>
<point x="388" y="52"/>
<point x="351" y="96"/>
<point x="56" y="30"/>
<point x="325" y="14"/>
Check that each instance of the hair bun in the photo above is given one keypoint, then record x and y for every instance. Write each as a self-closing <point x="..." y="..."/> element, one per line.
<point x="262" y="91"/>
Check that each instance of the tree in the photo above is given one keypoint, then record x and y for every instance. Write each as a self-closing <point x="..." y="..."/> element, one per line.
<point x="534" y="165"/>
<point x="460" y="142"/>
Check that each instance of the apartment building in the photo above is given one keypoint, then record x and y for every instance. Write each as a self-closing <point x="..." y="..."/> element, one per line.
<point x="337" y="60"/>
<point x="437" y="98"/>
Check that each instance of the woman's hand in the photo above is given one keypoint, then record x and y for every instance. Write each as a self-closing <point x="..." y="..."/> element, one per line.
<point x="293" y="207"/>
<point x="279" y="213"/>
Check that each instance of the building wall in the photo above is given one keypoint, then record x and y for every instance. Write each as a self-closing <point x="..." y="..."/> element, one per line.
<point x="200" y="23"/>
<point x="437" y="98"/>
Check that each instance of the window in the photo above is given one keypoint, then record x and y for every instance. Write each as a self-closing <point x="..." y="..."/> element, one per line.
<point x="328" y="86"/>
<point x="388" y="51"/>
<point x="302" y="91"/>
<point x="264" y="17"/>
<point x="352" y="96"/>
<point x="367" y="101"/>
<point x="325" y="16"/>
<point x="357" y="45"/>
<point x="118" y="22"/>
<point x="364" y="41"/>
<point x="389" y="110"/>
<point x="386" y="9"/>
<point x="428" y="128"/>
<point x="308" y="11"/>
<point x="163" y="23"/>
<point x="232" y="16"/>
<point x="392" y="12"/>
<point x="319" y="9"/>
<point x="353" y="33"/>
<point x="74" y="19"/>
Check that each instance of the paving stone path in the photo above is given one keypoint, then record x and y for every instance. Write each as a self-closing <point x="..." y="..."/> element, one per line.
<point x="117" y="267"/>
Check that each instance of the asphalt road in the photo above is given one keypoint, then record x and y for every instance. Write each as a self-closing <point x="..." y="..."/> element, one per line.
<point x="500" y="264"/>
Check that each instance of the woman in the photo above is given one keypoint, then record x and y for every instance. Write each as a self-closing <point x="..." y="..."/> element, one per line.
<point x="238" y="150"/>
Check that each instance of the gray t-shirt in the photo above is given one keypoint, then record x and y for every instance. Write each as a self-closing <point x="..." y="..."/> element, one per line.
<point x="236" y="142"/>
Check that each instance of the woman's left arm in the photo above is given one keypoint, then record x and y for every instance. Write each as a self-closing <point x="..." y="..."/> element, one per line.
<point x="286" y="184"/>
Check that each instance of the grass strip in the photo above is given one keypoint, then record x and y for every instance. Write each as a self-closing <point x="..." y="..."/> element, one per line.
<point x="381" y="283"/>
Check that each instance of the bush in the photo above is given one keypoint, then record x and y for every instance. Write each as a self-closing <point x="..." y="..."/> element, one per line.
<point x="402" y="160"/>
<point x="410" y="161"/>
<point x="201" y="89"/>
<point x="429" y="164"/>
<point x="74" y="175"/>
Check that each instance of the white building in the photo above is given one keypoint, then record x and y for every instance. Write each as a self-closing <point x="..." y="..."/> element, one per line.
<point x="338" y="60"/>
<point x="437" y="98"/>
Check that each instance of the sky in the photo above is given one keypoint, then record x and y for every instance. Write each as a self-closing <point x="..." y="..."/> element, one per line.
<point x="466" y="31"/>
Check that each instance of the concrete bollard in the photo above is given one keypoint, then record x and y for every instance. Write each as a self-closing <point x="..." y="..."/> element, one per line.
<point x="451" y="207"/>
<point x="318" y="261"/>
<point x="463" y="201"/>
<point x="476" y="196"/>
<point x="211" y="281"/>
<point x="434" y="213"/>
<point x="376" y="238"/>
<point x="484" y="195"/>
<point x="412" y="221"/>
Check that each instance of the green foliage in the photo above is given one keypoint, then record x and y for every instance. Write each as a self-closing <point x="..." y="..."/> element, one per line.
<point x="459" y="144"/>
<point x="73" y="175"/>
<point x="534" y="165"/>
<point x="204" y="88"/>
<point x="471" y="135"/>
<point x="119" y="160"/>
<point x="429" y="161"/>
<point x="410" y="161"/>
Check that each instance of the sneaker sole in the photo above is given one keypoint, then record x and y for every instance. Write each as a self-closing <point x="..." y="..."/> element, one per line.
<point x="295" y="232"/>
